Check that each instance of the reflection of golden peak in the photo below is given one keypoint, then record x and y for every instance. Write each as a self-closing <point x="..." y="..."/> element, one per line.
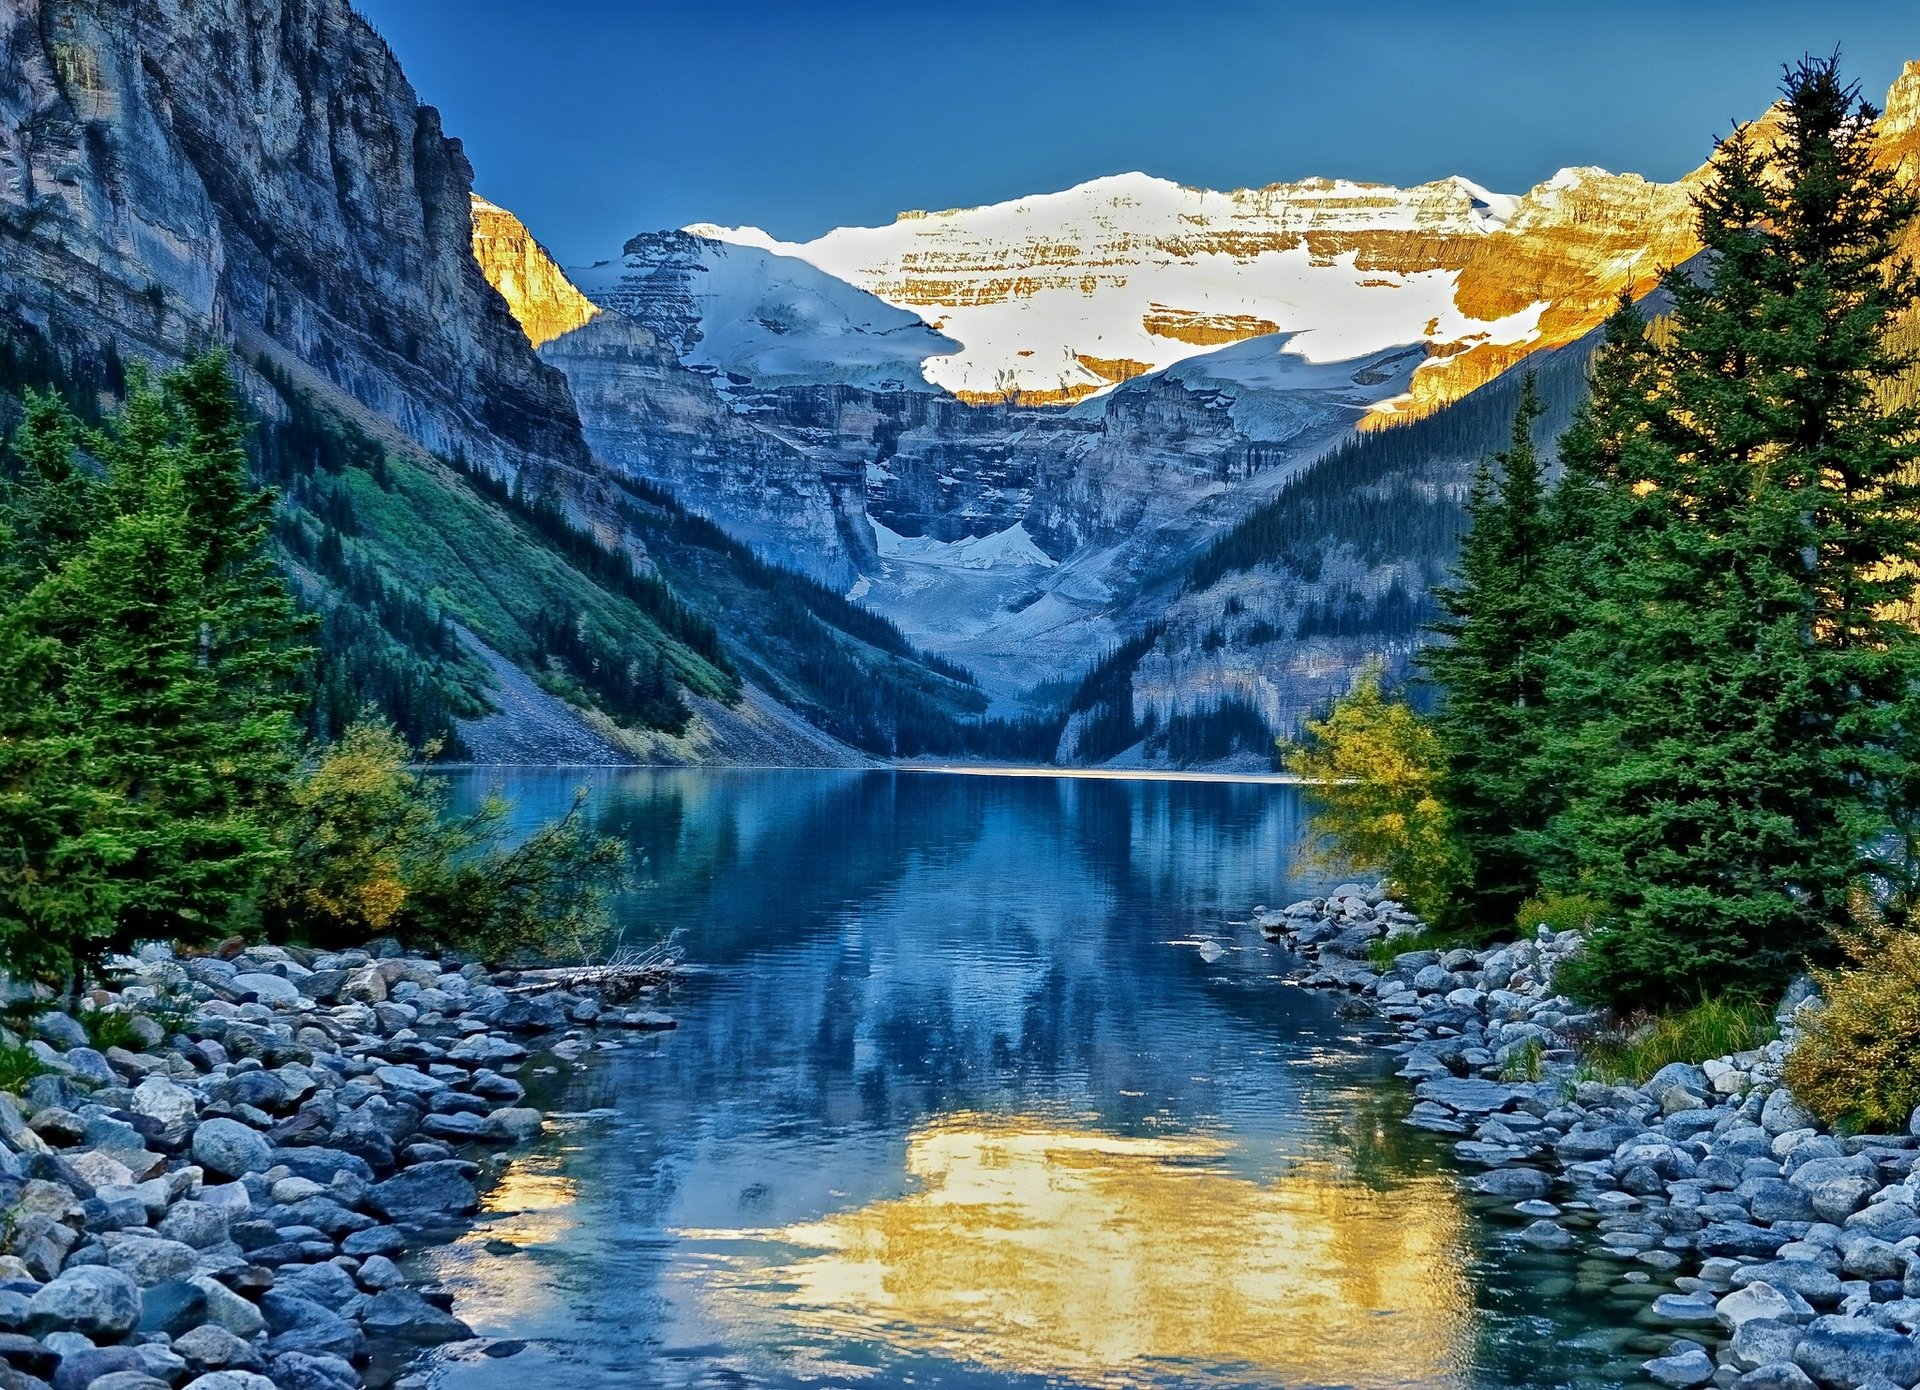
<point x="1035" y="1247"/>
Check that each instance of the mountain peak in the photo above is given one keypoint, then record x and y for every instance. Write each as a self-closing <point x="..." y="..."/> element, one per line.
<point x="1903" y="103"/>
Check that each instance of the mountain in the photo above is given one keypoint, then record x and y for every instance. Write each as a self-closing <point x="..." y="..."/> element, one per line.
<point x="885" y="409"/>
<point x="1054" y="435"/>
<point x="1062" y="295"/>
<point x="260" y="173"/>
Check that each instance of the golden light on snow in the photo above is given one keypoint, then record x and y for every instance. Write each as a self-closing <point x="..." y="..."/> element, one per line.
<point x="1038" y="1248"/>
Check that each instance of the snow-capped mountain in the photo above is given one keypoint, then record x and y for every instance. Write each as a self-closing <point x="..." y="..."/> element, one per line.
<point x="1056" y="297"/>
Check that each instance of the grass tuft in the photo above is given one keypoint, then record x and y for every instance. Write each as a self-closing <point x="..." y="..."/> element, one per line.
<point x="1712" y="1028"/>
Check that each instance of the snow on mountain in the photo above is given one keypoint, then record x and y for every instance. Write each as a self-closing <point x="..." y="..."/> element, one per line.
<point x="752" y="315"/>
<point x="1059" y="296"/>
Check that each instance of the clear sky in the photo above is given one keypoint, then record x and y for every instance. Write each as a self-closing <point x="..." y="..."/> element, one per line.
<point x="595" y="119"/>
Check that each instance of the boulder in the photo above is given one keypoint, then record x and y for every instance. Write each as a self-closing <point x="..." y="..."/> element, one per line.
<point x="1683" y="1370"/>
<point x="1762" y="1300"/>
<point x="100" y="1302"/>
<point x="427" y="1192"/>
<point x="1847" y="1353"/>
<point x="1782" y="1113"/>
<point x="1775" y="1375"/>
<point x="152" y="1260"/>
<point x="229" y="1149"/>
<point x="1760" y="1342"/>
<point x="80" y="1369"/>
<point x="405" y="1316"/>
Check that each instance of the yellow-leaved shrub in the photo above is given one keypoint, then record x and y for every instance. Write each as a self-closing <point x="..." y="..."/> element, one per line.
<point x="1857" y="1061"/>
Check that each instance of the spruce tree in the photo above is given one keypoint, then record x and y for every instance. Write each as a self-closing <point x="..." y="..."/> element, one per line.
<point x="1757" y="524"/>
<point x="1490" y="670"/>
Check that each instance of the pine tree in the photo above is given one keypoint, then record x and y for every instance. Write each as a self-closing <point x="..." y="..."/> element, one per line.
<point x="1756" y="520"/>
<point x="1490" y="670"/>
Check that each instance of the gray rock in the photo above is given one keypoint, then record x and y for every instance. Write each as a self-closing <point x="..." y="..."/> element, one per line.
<point x="1775" y="1375"/>
<point x="1771" y="1199"/>
<point x="1545" y="1235"/>
<point x="91" y="1067"/>
<point x="1838" y="1186"/>
<point x="229" y="1309"/>
<point x="427" y="1192"/>
<point x="129" y="1380"/>
<point x="516" y="1124"/>
<point x="60" y="1029"/>
<point x="1762" y="1300"/>
<point x="1782" y="1114"/>
<point x="230" y="1380"/>
<point x="1683" y="1309"/>
<point x="100" y="1302"/>
<point x="81" y="1369"/>
<point x="1761" y="1343"/>
<point x="229" y="1149"/>
<point x="1867" y="1257"/>
<point x="377" y="1272"/>
<point x="152" y="1260"/>
<point x="198" y="1224"/>
<point x="1739" y="1238"/>
<point x="1813" y="1282"/>
<point x="1468" y="1095"/>
<point x="164" y="1100"/>
<point x="172" y="1307"/>
<point x="1846" y="1353"/>
<point x="210" y="1347"/>
<point x="404" y="1315"/>
<point x="1683" y="1370"/>
<point x="268" y="989"/>
<point x="1513" y="1183"/>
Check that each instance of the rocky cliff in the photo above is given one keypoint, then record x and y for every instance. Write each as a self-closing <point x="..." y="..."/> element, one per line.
<point x="174" y="171"/>
<point x="543" y="300"/>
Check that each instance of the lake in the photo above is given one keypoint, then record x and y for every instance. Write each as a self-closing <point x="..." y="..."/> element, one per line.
<point x="963" y="1097"/>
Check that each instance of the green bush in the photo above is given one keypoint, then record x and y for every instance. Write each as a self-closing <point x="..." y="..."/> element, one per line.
<point x="18" y="1066"/>
<point x="1712" y="1028"/>
<point x="1857" y="1061"/>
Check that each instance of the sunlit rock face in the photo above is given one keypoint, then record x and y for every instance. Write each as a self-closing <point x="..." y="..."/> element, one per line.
<point x="261" y="170"/>
<point x="543" y="301"/>
<point x="1045" y="1249"/>
<point x="1045" y="292"/>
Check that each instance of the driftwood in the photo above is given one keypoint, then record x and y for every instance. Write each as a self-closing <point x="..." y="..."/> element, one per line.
<point x="616" y="982"/>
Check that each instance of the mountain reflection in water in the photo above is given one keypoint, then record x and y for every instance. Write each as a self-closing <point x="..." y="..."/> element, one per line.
<point x="959" y="1103"/>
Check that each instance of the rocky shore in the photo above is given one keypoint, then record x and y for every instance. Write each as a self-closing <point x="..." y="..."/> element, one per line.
<point x="1778" y="1255"/>
<point x="214" y="1178"/>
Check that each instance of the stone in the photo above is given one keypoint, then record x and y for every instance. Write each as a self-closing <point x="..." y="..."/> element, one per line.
<point x="404" y="1315"/>
<point x="198" y="1224"/>
<point x="61" y="1029"/>
<point x="1813" y="1282"/>
<point x="407" y="1080"/>
<point x="166" y="1101"/>
<point x="377" y="1272"/>
<point x="85" y="1368"/>
<point x="1512" y="1183"/>
<point x="268" y="989"/>
<point x="230" y="1380"/>
<point x="1759" y="1342"/>
<point x="227" y="1308"/>
<point x="1782" y="1114"/>
<point x="1866" y="1257"/>
<point x="1775" y="1375"/>
<point x="1739" y="1238"/>
<point x="1468" y="1095"/>
<point x="1838" y="1187"/>
<point x="1681" y="1371"/>
<point x="1762" y="1300"/>
<point x="518" y="1124"/>
<point x="211" y="1347"/>
<point x="336" y="1337"/>
<point x="1772" y="1199"/>
<point x="152" y="1260"/>
<point x="172" y="1307"/>
<point x="103" y="1303"/>
<point x="129" y="1380"/>
<point x="1684" y="1309"/>
<point x="1847" y="1353"/>
<point x="1545" y="1235"/>
<point x="229" y="1149"/>
<point x="427" y="1192"/>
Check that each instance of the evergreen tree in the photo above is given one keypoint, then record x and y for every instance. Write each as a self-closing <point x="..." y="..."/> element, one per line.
<point x="1490" y="668"/>
<point x="1755" y="522"/>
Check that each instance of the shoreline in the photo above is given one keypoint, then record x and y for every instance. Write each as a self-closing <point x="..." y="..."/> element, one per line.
<point x="1033" y="770"/>
<point x="218" y="1198"/>
<point x="1771" y="1253"/>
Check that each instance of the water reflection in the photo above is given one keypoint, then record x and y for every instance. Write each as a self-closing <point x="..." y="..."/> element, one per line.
<point x="960" y="1104"/>
<point x="1054" y="1249"/>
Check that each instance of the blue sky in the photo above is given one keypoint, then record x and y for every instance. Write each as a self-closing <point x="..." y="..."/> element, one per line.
<point x="595" y="119"/>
